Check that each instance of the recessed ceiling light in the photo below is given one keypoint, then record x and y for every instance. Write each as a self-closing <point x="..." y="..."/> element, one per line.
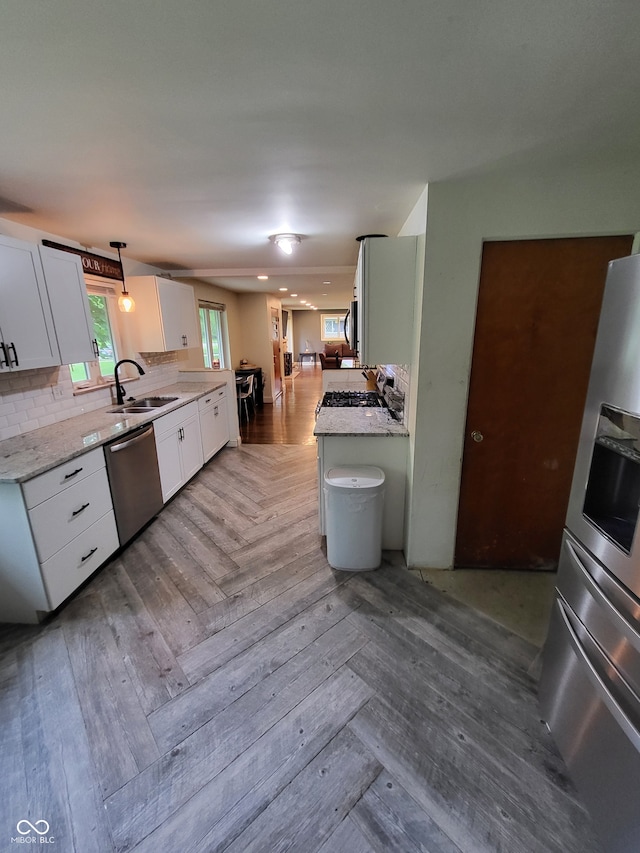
<point x="293" y="294"/>
<point x="263" y="278"/>
<point x="283" y="288"/>
<point x="303" y="301"/>
<point x="326" y="282"/>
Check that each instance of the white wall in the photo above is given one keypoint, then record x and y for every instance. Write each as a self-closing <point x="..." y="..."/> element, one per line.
<point x="579" y="200"/>
<point x="255" y="343"/>
<point x="307" y="328"/>
<point x="415" y="226"/>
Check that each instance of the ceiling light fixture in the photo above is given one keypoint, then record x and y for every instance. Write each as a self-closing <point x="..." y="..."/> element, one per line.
<point x="293" y="295"/>
<point x="263" y="278"/>
<point x="125" y="302"/>
<point x="283" y="288"/>
<point x="286" y="242"/>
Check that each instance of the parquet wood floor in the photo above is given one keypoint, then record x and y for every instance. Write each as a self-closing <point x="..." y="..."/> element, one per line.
<point x="217" y="687"/>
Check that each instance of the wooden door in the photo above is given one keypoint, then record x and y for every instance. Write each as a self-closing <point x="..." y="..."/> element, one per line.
<point x="275" y="341"/>
<point x="538" y="308"/>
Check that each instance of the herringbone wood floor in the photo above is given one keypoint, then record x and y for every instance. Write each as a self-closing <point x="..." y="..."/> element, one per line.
<point x="218" y="687"/>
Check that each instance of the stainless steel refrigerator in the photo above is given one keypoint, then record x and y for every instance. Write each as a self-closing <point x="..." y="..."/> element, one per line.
<point x="590" y="680"/>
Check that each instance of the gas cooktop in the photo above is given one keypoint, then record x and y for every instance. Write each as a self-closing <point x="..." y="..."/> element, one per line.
<point x="351" y="398"/>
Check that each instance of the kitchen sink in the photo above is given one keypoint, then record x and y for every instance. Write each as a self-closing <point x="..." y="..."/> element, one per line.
<point x="140" y="407"/>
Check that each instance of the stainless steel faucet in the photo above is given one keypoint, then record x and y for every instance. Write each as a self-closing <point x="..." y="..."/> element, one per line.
<point x="120" y="392"/>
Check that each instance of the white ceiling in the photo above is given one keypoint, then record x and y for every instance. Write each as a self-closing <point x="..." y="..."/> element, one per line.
<point x="194" y="130"/>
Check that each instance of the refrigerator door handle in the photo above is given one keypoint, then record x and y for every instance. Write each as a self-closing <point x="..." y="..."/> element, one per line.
<point x="625" y="622"/>
<point x="601" y="688"/>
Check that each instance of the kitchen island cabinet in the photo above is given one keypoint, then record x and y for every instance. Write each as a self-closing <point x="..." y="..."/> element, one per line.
<point x="27" y="335"/>
<point x="56" y="530"/>
<point x="370" y="436"/>
<point x="179" y="448"/>
<point x="387" y="453"/>
<point x="165" y="315"/>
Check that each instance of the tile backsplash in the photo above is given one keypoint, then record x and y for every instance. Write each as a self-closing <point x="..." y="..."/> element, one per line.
<point x="30" y="399"/>
<point x="401" y="377"/>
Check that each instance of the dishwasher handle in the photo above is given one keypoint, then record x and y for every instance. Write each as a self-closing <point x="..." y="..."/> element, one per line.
<point x="122" y="445"/>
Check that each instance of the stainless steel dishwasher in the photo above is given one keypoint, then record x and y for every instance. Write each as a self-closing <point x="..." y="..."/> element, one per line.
<point x="132" y="466"/>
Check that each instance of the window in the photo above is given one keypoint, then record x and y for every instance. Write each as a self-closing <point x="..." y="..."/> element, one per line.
<point x="332" y="327"/>
<point x="213" y="332"/>
<point x="102" y="304"/>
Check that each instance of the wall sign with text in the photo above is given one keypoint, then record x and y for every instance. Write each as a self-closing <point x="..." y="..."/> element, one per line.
<point x="92" y="264"/>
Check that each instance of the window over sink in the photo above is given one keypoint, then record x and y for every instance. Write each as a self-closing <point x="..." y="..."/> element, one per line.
<point x="104" y="314"/>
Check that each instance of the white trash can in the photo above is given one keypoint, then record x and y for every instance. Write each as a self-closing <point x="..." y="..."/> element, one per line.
<point x="354" y="500"/>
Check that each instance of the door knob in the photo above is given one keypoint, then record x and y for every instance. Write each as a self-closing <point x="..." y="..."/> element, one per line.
<point x="476" y="435"/>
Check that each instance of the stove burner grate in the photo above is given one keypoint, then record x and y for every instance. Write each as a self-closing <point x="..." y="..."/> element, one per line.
<point x="362" y="399"/>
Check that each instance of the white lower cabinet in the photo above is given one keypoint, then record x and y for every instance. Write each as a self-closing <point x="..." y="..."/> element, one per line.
<point x="214" y="422"/>
<point x="179" y="447"/>
<point x="56" y="530"/>
<point x="73" y="564"/>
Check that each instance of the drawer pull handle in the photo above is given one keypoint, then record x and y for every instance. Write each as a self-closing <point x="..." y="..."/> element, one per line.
<point x="15" y="362"/>
<point x="72" y="474"/>
<point x="208" y="400"/>
<point x="78" y="511"/>
<point x="90" y="554"/>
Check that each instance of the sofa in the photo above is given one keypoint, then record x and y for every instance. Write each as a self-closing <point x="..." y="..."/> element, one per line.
<point x="333" y="354"/>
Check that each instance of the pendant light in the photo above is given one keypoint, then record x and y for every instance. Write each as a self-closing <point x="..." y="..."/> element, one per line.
<point x="125" y="301"/>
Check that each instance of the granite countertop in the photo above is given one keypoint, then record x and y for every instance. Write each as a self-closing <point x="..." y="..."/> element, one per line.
<point x="357" y="421"/>
<point x="26" y="456"/>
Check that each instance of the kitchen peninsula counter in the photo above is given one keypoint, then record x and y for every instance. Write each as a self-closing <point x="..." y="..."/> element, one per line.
<point x="25" y="456"/>
<point x="356" y="421"/>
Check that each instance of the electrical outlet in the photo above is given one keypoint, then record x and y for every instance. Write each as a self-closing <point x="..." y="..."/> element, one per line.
<point x="57" y="391"/>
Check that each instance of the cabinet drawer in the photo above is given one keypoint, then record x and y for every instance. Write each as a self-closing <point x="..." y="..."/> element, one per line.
<point x="74" y="563"/>
<point x="62" y="477"/>
<point x="60" y="519"/>
<point x="172" y="420"/>
<point x="210" y="399"/>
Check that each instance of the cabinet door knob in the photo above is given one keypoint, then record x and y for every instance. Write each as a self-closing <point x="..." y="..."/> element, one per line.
<point x="476" y="435"/>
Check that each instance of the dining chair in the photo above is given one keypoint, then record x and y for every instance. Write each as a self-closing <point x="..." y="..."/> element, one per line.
<point x="245" y="392"/>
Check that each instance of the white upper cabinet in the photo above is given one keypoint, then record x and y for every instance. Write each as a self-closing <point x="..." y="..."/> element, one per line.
<point x="69" y="305"/>
<point x="27" y="337"/>
<point x="165" y="317"/>
<point x="385" y="290"/>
